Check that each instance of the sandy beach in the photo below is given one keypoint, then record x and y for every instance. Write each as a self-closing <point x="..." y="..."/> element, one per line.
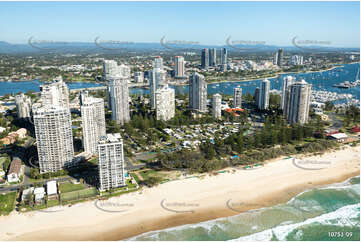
<point x="183" y="201"/>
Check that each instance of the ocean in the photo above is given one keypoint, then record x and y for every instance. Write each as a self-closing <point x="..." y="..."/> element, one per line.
<point x="326" y="213"/>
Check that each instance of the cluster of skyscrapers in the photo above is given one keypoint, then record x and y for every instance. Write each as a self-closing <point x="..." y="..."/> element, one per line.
<point x="53" y="131"/>
<point x="162" y="98"/>
<point x="52" y="117"/>
<point x="209" y="57"/>
<point x="295" y="99"/>
<point x="296" y="60"/>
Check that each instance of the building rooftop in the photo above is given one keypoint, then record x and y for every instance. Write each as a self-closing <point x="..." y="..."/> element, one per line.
<point x="339" y="136"/>
<point x="26" y="192"/>
<point x="51" y="187"/>
<point x="40" y="109"/>
<point x="15" y="166"/>
<point x="39" y="190"/>
<point x="110" y="138"/>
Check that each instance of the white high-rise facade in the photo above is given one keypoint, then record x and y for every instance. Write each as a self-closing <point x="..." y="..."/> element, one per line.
<point x="216" y="106"/>
<point x="197" y="93"/>
<point x="165" y="103"/>
<point x="53" y="127"/>
<point x="205" y="59"/>
<point x="263" y="97"/>
<point x="111" y="69"/>
<point x="157" y="79"/>
<point x="237" y="97"/>
<point x="224" y="56"/>
<point x="54" y="138"/>
<point x="119" y="99"/>
<point x="93" y="122"/>
<point x="287" y="82"/>
<point x="158" y="62"/>
<point x="279" y="57"/>
<point x="296" y="60"/>
<point x="111" y="162"/>
<point x="23" y="106"/>
<point x="55" y="94"/>
<point x="179" y="67"/>
<point x="298" y="99"/>
<point x="139" y="77"/>
<point x="212" y="57"/>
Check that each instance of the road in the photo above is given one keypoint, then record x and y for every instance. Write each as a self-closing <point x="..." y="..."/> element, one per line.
<point x="27" y="183"/>
<point x="18" y="186"/>
<point x="130" y="167"/>
<point x="27" y="145"/>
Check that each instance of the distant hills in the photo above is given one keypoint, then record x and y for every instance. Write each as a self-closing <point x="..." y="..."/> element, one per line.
<point x="92" y="47"/>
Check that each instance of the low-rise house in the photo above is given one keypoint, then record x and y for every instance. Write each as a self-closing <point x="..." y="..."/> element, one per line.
<point x="51" y="189"/>
<point x="39" y="193"/>
<point x="186" y="143"/>
<point x="14" y="170"/>
<point x="355" y="129"/>
<point x="168" y="131"/>
<point x="339" y="137"/>
<point x="26" y="195"/>
<point x="10" y="139"/>
<point x="21" y="133"/>
<point x="13" y="136"/>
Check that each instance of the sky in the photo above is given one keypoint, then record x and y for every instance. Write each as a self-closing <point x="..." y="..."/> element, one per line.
<point x="211" y="23"/>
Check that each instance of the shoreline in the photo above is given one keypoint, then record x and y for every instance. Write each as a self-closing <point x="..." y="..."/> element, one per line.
<point x="251" y="79"/>
<point x="210" y="193"/>
<point x="268" y="77"/>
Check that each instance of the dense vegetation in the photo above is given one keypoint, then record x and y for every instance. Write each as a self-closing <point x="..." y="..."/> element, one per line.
<point x="251" y="148"/>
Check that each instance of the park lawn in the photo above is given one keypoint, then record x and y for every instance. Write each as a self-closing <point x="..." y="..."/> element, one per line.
<point x="161" y="176"/>
<point x="70" y="187"/>
<point x="120" y="190"/>
<point x="7" y="203"/>
<point x="130" y="185"/>
<point x="79" y="194"/>
<point x="148" y="173"/>
<point x="152" y="173"/>
<point x="135" y="177"/>
<point x="53" y="202"/>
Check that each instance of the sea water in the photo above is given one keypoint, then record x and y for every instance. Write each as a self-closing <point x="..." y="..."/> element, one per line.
<point x="326" y="213"/>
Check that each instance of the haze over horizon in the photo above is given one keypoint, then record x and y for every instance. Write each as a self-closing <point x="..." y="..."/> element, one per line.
<point x="209" y="23"/>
